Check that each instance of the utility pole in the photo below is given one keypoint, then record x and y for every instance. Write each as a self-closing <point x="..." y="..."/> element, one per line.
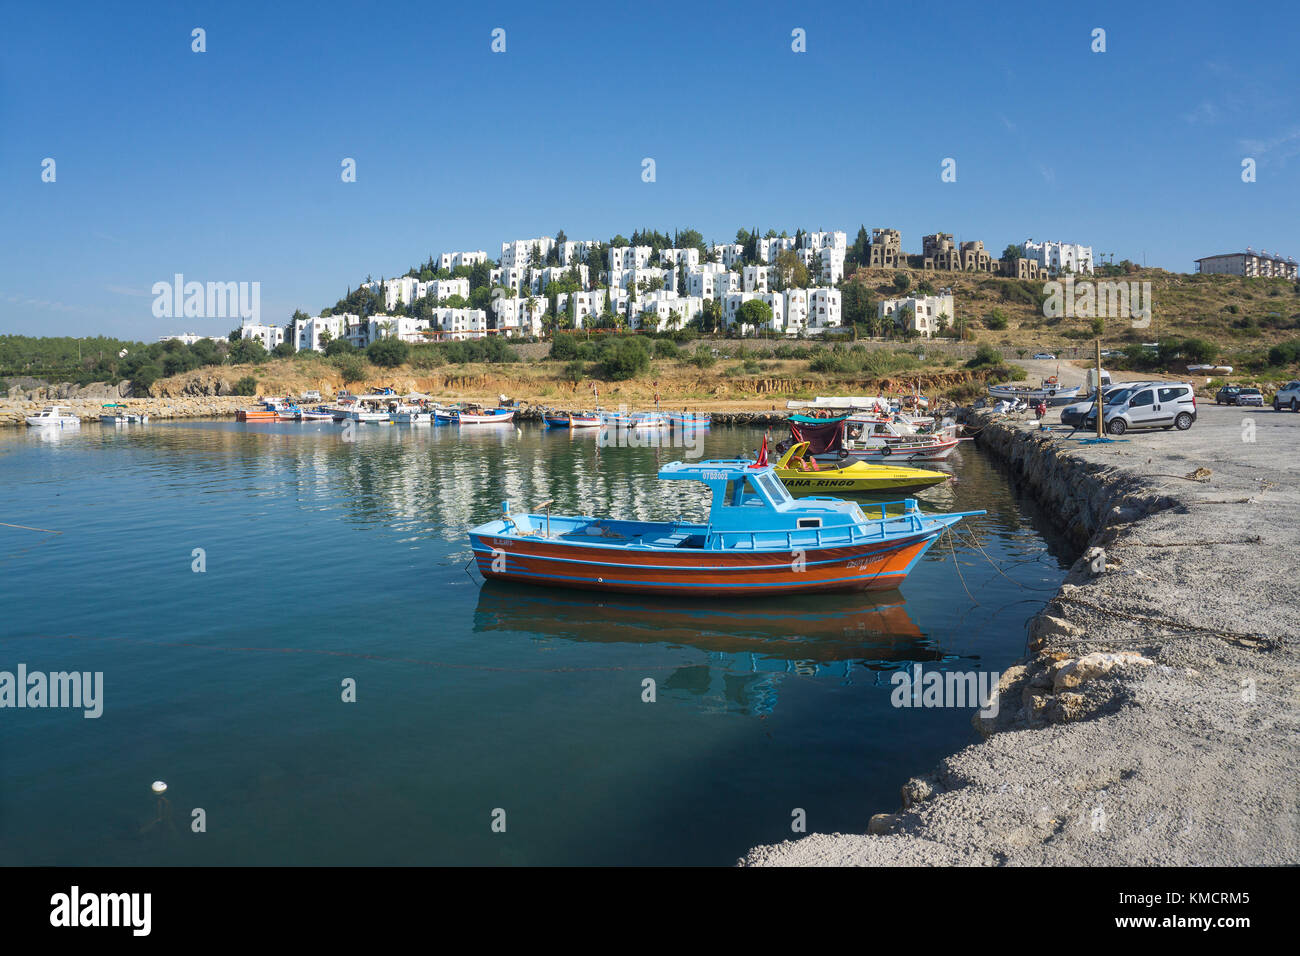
<point x="1099" y="402"/>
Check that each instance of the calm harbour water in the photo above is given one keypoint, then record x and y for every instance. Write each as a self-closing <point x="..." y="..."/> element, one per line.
<point x="329" y="559"/>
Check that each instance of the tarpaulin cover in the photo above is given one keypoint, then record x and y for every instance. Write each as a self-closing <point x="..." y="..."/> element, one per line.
<point x="820" y="438"/>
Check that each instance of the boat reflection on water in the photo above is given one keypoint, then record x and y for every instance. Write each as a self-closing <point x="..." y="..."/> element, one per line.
<point x="857" y="638"/>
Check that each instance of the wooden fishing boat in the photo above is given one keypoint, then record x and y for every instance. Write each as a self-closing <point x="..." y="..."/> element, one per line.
<point x="872" y="440"/>
<point x="689" y="419"/>
<point x="474" y="415"/>
<point x="801" y="474"/>
<point x="584" y="420"/>
<point x="557" y="419"/>
<point x="260" y="414"/>
<point x="758" y="540"/>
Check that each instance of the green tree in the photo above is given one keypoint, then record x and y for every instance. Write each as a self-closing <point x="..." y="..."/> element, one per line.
<point x="245" y="386"/>
<point x="755" y="313"/>
<point x="388" y="352"/>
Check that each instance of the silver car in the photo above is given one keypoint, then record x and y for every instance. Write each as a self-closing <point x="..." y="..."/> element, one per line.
<point x="1288" y="396"/>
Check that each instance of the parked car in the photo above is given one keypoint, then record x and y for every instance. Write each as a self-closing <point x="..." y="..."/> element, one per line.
<point x="1082" y="410"/>
<point x="1288" y="396"/>
<point x="1148" y="405"/>
<point x="1250" y="396"/>
<point x="1044" y="355"/>
<point x="1227" y="395"/>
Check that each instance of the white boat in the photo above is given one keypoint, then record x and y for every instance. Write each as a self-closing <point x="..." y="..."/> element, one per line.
<point x="413" y="415"/>
<point x="1048" y="392"/>
<point x="495" y="416"/>
<point x="873" y="439"/>
<point x="1210" y="369"/>
<point x="118" y="415"/>
<point x="52" y="416"/>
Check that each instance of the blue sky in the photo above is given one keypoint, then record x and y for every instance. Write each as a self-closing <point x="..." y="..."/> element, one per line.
<point x="225" y="165"/>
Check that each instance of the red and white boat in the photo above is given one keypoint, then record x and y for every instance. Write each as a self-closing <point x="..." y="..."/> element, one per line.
<point x="871" y="439"/>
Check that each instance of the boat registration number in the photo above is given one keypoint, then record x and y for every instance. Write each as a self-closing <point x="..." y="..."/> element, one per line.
<point x="715" y="476"/>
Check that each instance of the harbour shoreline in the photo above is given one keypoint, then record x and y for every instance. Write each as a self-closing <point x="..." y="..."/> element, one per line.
<point x="13" y="413"/>
<point x="1153" y="720"/>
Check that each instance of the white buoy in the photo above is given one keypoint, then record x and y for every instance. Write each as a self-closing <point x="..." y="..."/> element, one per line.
<point x="158" y="786"/>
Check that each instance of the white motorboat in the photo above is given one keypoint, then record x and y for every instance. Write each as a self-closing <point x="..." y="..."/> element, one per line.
<point x="52" y="416"/>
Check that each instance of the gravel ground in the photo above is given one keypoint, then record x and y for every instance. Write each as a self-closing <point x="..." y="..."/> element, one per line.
<point x="1187" y="751"/>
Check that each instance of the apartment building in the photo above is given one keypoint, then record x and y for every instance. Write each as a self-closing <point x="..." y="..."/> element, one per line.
<point x="269" y="335"/>
<point x="820" y="241"/>
<point x="439" y="289"/>
<point x="670" y="311"/>
<point x="622" y="258"/>
<point x="575" y="250"/>
<point x="732" y="301"/>
<point x="539" y="279"/>
<point x="454" y="260"/>
<point x="457" y="324"/>
<point x="675" y="257"/>
<point x="825" y="310"/>
<point x="927" y="311"/>
<point x="520" y="316"/>
<point x="728" y="254"/>
<point x="316" y="332"/>
<point x="1251" y="264"/>
<point x="755" y="278"/>
<point x="519" y="252"/>
<point x="189" y="338"/>
<point x="769" y="249"/>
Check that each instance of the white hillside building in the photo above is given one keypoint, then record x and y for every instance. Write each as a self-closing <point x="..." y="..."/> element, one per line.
<point x="1055" y="257"/>
<point x="732" y="301"/>
<point x="663" y="305"/>
<point x="673" y="257"/>
<point x="755" y="278"/>
<point x="316" y="332"/>
<point x="440" y="289"/>
<point x="729" y="253"/>
<point x="269" y="335"/>
<point x="575" y="250"/>
<point x="519" y="252"/>
<point x="769" y="249"/>
<point x="622" y="258"/>
<point x="517" y="317"/>
<point x="928" y="311"/>
<point x="454" y="260"/>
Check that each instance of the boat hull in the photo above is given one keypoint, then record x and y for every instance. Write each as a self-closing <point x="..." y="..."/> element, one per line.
<point x="867" y="566"/>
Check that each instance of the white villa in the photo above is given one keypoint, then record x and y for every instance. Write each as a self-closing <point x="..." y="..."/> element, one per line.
<point x="1057" y="256"/>
<point x="928" y="311"/>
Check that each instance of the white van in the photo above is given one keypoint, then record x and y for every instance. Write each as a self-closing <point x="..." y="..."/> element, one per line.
<point x="1149" y="405"/>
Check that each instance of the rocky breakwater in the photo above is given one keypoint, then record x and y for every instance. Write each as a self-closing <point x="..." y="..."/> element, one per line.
<point x="158" y="409"/>
<point x="1154" y="720"/>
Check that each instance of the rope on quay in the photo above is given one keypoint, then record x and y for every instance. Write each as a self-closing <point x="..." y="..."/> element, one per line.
<point x="24" y="527"/>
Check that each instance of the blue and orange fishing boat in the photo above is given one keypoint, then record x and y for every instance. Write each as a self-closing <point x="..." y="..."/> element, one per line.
<point x="758" y="540"/>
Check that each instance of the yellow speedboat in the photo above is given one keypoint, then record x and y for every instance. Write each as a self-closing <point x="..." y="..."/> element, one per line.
<point x="801" y="474"/>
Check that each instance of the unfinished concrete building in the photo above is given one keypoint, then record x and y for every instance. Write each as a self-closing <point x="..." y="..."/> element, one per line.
<point x="1021" y="268"/>
<point x="886" y="249"/>
<point x="939" y="252"/>
<point x="975" y="258"/>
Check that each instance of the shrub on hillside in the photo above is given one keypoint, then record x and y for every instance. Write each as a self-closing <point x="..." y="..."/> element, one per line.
<point x="996" y="320"/>
<point x="351" y="367"/>
<point x="246" y="386"/>
<point x="624" y="358"/>
<point x="388" y="352"/>
<point x="985" y="355"/>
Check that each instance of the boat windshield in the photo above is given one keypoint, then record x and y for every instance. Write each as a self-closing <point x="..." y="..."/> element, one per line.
<point x="745" y="491"/>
